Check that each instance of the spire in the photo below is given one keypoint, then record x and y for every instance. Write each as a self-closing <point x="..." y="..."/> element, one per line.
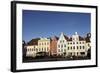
<point x="75" y="33"/>
<point x="62" y="33"/>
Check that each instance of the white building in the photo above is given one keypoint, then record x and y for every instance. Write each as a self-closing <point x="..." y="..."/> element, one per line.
<point x="77" y="46"/>
<point x="73" y="46"/>
<point x="32" y="48"/>
<point x="62" y="44"/>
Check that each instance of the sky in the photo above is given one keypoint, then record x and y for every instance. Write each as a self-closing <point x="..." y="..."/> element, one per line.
<point x="36" y="24"/>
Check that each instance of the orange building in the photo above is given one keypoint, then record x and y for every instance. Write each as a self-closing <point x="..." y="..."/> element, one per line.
<point x="53" y="45"/>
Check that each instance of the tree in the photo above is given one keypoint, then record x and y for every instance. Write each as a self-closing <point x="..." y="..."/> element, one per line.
<point x="89" y="53"/>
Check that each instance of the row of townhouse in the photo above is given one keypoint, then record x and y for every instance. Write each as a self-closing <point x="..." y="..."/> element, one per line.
<point x="64" y="45"/>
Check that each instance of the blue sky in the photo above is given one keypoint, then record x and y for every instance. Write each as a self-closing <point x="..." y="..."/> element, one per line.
<point x="48" y="23"/>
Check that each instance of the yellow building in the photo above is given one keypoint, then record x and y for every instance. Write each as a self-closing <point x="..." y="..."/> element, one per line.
<point x="44" y="45"/>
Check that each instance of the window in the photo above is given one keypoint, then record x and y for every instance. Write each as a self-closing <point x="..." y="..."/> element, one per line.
<point x="47" y="49"/>
<point x="63" y="41"/>
<point x="83" y="47"/>
<point x="80" y="47"/>
<point x="70" y="43"/>
<point x="73" y="42"/>
<point x="80" y="42"/>
<point x="61" y="46"/>
<point x="70" y="53"/>
<point x="58" y="46"/>
<point x="34" y="49"/>
<point x="64" y="45"/>
<point x="77" y="53"/>
<point x="83" y="42"/>
<point x="68" y="48"/>
<point x="77" y="47"/>
<point x="60" y="41"/>
<point x="77" y="42"/>
<point x="73" y="47"/>
<point x="42" y="49"/>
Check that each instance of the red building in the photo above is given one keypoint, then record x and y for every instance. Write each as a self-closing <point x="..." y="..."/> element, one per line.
<point x="53" y="45"/>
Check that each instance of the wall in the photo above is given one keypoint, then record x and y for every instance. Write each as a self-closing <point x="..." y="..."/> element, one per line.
<point x="5" y="37"/>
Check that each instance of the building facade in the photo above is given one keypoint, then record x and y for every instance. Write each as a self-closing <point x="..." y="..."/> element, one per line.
<point x="53" y="45"/>
<point x="62" y="46"/>
<point x="32" y="48"/>
<point x="73" y="46"/>
<point x="77" y="46"/>
<point x="44" y="45"/>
